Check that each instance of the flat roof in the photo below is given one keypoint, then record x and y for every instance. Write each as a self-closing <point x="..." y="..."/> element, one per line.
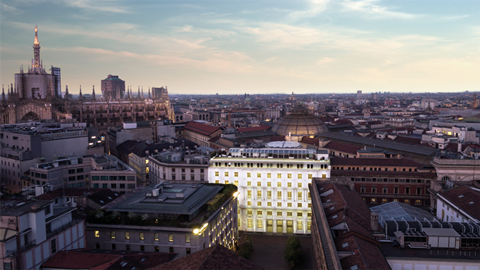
<point x="441" y="232"/>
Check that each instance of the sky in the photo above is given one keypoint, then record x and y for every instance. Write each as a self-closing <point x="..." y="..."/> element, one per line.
<point x="249" y="46"/>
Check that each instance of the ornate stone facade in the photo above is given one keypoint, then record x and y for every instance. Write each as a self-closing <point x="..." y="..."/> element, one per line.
<point x="36" y="96"/>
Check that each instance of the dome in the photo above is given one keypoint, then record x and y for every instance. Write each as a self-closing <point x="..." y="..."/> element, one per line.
<point x="299" y="124"/>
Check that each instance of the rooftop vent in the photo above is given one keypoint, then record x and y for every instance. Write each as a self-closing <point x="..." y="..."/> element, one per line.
<point x="344" y="245"/>
<point x="471" y="202"/>
<point x="460" y="196"/>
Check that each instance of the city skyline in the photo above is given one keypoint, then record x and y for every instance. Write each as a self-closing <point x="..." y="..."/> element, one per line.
<point x="212" y="47"/>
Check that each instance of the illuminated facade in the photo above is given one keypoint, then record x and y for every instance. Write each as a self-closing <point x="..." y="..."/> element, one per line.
<point x="273" y="184"/>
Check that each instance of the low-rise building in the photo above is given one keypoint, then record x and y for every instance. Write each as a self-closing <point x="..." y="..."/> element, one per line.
<point x="169" y="217"/>
<point x="201" y="133"/>
<point x="34" y="230"/>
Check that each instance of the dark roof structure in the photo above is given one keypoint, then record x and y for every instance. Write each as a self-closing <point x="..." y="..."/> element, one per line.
<point x="213" y="258"/>
<point x="299" y="123"/>
<point x="106" y="259"/>
<point x="342" y="147"/>
<point x="400" y="162"/>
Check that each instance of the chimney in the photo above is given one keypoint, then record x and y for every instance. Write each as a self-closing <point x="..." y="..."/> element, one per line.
<point x="374" y="221"/>
<point x="459" y="150"/>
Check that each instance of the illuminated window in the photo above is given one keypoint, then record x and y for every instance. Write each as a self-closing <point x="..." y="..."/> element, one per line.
<point x="384" y="201"/>
<point x="249" y="194"/>
<point x="310" y="176"/>
<point x="142" y="236"/>
<point x="269" y="175"/>
<point x="112" y="234"/>
<point x="269" y="184"/>
<point x="259" y="223"/>
<point x="407" y="201"/>
<point x="289" y="214"/>
<point x="269" y="203"/>
<point x="309" y="205"/>
<point x="217" y="182"/>
<point x="259" y="175"/>
<point x="170" y="238"/>
<point x="155" y="237"/>
<point x="299" y="214"/>
<point x="188" y="238"/>
<point x="236" y="183"/>
<point x="127" y="235"/>
<point x="249" y="183"/>
<point x="324" y="175"/>
<point x="289" y="204"/>
<point x="249" y="212"/>
<point x="226" y="174"/>
<point x="299" y="205"/>
<point x="226" y="182"/>
<point x="97" y="234"/>
<point x="259" y="194"/>
<point x="279" y="184"/>
<point x="217" y="173"/>
<point x="299" y="195"/>
<point x="269" y="213"/>
<point x="299" y="225"/>
<point x="279" y="195"/>
<point x="249" y="203"/>
<point x="269" y="194"/>
<point x="259" y="203"/>
<point x="299" y="185"/>
<point x="289" y="184"/>
<point x="289" y="175"/>
<point x="259" y="213"/>
<point x="279" y="214"/>
<point x="259" y="184"/>
<point x="309" y="196"/>
<point x="289" y="195"/>
<point x="250" y="223"/>
<point x="279" y="204"/>
<point x="374" y="200"/>
<point x="236" y="174"/>
<point x="146" y="161"/>
<point x="299" y="176"/>
<point x="309" y="214"/>
<point x="147" y="170"/>
<point x="249" y="174"/>
<point x="279" y="175"/>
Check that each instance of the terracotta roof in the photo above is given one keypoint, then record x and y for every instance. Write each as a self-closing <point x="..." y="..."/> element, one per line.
<point x="366" y="255"/>
<point x="342" y="147"/>
<point x="216" y="257"/>
<point x="464" y="202"/>
<point x="396" y="162"/>
<point x="382" y="173"/>
<point x="103" y="259"/>
<point x="250" y="129"/>
<point x="201" y="128"/>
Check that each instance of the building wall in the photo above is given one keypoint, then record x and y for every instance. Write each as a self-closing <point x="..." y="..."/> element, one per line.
<point x="64" y="146"/>
<point x="160" y="172"/>
<point x="271" y="199"/>
<point x="425" y="263"/>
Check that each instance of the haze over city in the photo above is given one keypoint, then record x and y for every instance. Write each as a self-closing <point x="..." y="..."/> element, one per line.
<point x="251" y="47"/>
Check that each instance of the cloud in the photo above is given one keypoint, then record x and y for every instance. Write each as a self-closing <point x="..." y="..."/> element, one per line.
<point x="324" y="61"/>
<point x="369" y="7"/>
<point x="10" y="9"/>
<point x="98" y="5"/>
<point x="315" y="7"/>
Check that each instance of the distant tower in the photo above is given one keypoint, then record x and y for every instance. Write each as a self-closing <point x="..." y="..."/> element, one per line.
<point x="475" y="102"/>
<point x="36" y="52"/>
<point x="359" y="94"/>
<point x="93" y="93"/>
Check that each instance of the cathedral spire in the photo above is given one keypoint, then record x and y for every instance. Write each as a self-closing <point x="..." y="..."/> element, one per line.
<point x="93" y="93"/>
<point x="3" y="94"/>
<point x="36" y="52"/>
<point x="80" y="96"/>
<point x="66" y="92"/>
<point x="138" y="95"/>
<point x="149" y="97"/>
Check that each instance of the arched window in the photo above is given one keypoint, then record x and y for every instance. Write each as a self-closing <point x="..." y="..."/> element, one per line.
<point x="445" y="178"/>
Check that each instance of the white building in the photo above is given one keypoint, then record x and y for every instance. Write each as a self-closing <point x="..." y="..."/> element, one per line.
<point x="273" y="184"/>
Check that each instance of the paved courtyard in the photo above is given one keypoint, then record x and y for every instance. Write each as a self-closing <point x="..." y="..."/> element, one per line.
<point x="268" y="251"/>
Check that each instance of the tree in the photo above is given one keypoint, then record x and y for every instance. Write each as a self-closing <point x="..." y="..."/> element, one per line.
<point x="293" y="252"/>
<point x="246" y="248"/>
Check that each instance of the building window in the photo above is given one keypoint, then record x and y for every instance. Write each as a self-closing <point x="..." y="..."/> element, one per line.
<point x="407" y="190"/>
<point x="249" y="223"/>
<point x="374" y="189"/>
<point x="279" y="204"/>
<point x="289" y="205"/>
<point x="97" y="245"/>
<point x="249" y="203"/>
<point x="259" y="184"/>
<point x="289" y="175"/>
<point x="170" y="238"/>
<point x="48" y="210"/>
<point x="259" y="203"/>
<point x="249" y="183"/>
<point x="226" y="174"/>
<point x="299" y="195"/>
<point x="217" y="173"/>
<point x="289" y="214"/>
<point x="48" y="228"/>
<point x="127" y="235"/>
<point x="279" y="175"/>
<point x="419" y="190"/>
<point x="279" y="184"/>
<point x="279" y="195"/>
<point x="142" y="248"/>
<point x="259" y="194"/>
<point x="155" y="236"/>
<point x="249" y="174"/>
<point x="374" y="200"/>
<point x="157" y="249"/>
<point x="310" y="176"/>
<point x="289" y="184"/>
<point x="299" y="205"/>
<point x="269" y="203"/>
<point x="114" y="246"/>
<point x="226" y="182"/>
<point x="236" y="174"/>
<point x="127" y="247"/>
<point x="259" y="223"/>
<point x="170" y="249"/>
<point x="269" y="194"/>
<point x="299" y="176"/>
<point x="249" y="194"/>
<point x="289" y="195"/>
<point x="236" y="183"/>
<point x="112" y="235"/>
<point x="187" y="238"/>
<point x="53" y="245"/>
<point x="188" y="251"/>
<point x="142" y="236"/>
<point x="300" y="225"/>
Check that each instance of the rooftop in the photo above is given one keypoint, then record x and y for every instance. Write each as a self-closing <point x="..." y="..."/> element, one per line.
<point x="400" y="211"/>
